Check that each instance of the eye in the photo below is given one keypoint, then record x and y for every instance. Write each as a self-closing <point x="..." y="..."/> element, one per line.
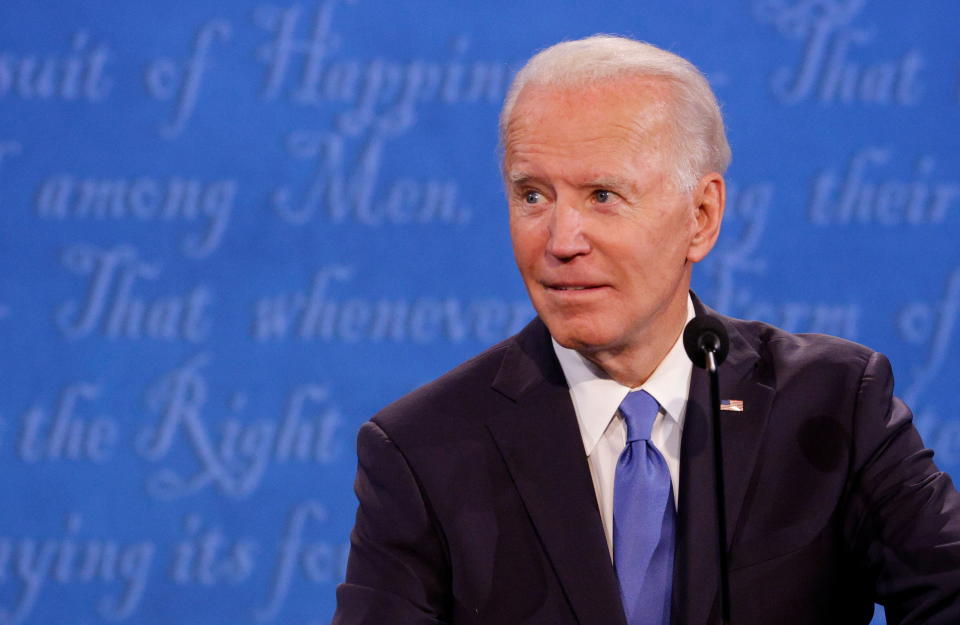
<point x="532" y="197"/>
<point x="603" y="196"/>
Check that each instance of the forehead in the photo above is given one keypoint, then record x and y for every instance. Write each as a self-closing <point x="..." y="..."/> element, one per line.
<point x="621" y="117"/>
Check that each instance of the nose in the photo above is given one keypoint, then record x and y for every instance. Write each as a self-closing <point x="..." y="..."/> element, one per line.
<point x="567" y="236"/>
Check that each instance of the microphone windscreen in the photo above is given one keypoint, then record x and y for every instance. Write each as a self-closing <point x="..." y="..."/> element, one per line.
<point x="705" y="330"/>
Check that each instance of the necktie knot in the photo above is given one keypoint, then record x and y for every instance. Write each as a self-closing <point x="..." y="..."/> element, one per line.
<point x="639" y="410"/>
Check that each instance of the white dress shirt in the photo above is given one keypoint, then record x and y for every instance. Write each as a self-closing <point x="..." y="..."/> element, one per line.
<point x="596" y="398"/>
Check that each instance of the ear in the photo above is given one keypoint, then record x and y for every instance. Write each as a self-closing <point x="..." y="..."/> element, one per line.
<point x="708" y="203"/>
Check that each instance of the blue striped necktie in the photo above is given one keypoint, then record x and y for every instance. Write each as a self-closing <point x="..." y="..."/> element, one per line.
<point x="643" y="518"/>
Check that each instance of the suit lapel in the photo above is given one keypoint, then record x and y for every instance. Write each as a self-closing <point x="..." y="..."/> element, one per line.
<point x="541" y="445"/>
<point x="743" y="377"/>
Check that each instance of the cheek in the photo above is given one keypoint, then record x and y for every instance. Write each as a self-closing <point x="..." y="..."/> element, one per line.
<point x="528" y="243"/>
<point x="674" y="235"/>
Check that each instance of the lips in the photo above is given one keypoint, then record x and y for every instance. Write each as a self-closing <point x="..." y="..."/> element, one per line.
<point x="572" y="287"/>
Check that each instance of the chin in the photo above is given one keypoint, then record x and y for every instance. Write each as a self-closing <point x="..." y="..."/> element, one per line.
<point x="584" y="338"/>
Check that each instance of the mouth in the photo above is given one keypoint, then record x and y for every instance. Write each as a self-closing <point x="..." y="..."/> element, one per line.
<point x="573" y="288"/>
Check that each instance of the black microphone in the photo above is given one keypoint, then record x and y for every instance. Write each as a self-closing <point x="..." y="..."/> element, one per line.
<point x="706" y="335"/>
<point x="707" y="344"/>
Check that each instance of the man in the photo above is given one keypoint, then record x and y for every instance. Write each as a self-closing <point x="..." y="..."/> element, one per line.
<point x="508" y="491"/>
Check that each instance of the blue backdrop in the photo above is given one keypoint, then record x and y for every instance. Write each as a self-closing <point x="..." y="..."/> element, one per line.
<point x="230" y="231"/>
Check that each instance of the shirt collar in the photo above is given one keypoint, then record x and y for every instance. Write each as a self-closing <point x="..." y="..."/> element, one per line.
<point x="596" y="396"/>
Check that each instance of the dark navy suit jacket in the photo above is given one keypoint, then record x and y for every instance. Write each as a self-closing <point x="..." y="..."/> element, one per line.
<point x="476" y="503"/>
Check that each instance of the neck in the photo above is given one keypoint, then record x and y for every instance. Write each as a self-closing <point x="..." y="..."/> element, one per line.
<point x="634" y="362"/>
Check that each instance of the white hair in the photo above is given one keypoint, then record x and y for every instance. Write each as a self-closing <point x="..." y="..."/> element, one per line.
<point x="699" y="140"/>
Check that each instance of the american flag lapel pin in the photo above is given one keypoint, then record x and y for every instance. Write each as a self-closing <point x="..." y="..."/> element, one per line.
<point x="732" y="405"/>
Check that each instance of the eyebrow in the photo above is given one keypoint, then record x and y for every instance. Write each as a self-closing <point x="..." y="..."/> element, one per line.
<point x="609" y="183"/>
<point x="519" y="177"/>
<point x="603" y="181"/>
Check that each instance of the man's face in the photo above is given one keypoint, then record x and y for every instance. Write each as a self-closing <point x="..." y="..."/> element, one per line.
<point x="602" y="237"/>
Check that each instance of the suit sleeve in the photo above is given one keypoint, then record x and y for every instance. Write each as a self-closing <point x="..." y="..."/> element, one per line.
<point x="397" y="571"/>
<point x="907" y="510"/>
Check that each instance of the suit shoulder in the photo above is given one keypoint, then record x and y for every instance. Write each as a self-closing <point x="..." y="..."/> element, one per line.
<point x="454" y="394"/>
<point x="779" y="345"/>
<point x="821" y="372"/>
